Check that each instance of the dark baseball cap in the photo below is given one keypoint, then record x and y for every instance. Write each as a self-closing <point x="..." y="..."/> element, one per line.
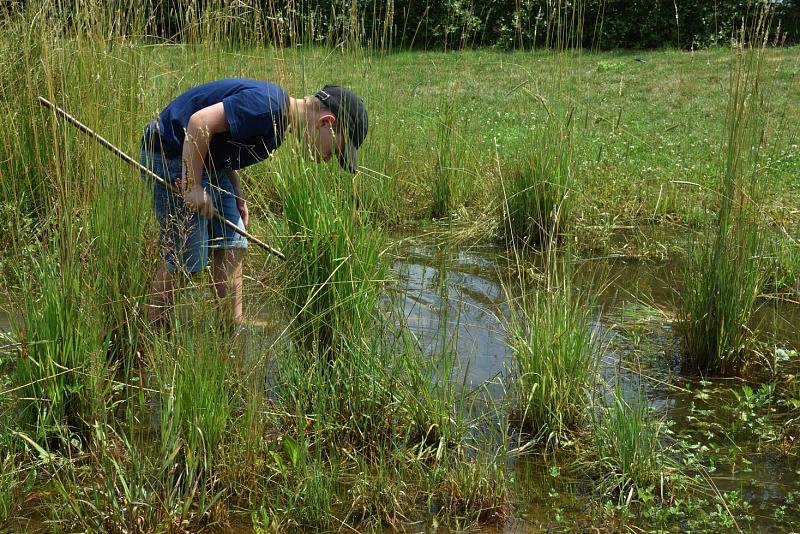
<point x="350" y="111"/>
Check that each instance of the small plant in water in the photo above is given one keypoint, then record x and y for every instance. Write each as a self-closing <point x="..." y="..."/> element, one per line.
<point x="630" y="461"/>
<point x="555" y="358"/>
<point x="536" y="196"/>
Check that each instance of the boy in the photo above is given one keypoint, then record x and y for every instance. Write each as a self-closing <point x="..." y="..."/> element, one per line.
<point x="200" y="141"/>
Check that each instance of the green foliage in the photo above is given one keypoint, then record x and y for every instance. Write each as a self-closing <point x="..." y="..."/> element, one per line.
<point x="555" y="354"/>
<point x="536" y="198"/>
<point x="429" y="23"/>
<point x="120" y="259"/>
<point x="305" y="490"/>
<point x="26" y="164"/>
<point x="125" y="490"/>
<point x="446" y="186"/>
<point x="60" y="372"/>
<point x="722" y="283"/>
<point x="724" y="273"/>
<point x="196" y="408"/>
<point x="473" y="491"/>
<point x="334" y="267"/>
<point x="782" y="272"/>
<point x="630" y="460"/>
<point x="9" y="484"/>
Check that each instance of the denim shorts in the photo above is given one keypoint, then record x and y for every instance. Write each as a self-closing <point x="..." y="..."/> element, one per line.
<point x="186" y="236"/>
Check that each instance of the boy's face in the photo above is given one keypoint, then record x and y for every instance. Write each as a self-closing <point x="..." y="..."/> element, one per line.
<point x="323" y="138"/>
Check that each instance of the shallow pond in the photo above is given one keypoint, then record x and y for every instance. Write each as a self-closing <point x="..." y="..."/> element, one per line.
<point x="461" y="296"/>
<point x="466" y="292"/>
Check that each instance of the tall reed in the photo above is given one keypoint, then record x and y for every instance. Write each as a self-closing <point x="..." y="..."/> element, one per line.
<point x="25" y="145"/>
<point x="334" y="268"/>
<point x="445" y="181"/>
<point x="61" y="370"/>
<point x="724" y="271"/>
<point x="191" y="366"/>
<point x="118" y="201"/>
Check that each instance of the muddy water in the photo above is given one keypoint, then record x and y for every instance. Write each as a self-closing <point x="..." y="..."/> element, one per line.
<point x="458" y="296"/>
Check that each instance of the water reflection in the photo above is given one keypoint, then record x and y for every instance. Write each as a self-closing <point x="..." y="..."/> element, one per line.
<point x="461" y="297"/>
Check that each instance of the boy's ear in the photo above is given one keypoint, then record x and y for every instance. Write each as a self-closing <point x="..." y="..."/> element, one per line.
<point x="326" y="119"/>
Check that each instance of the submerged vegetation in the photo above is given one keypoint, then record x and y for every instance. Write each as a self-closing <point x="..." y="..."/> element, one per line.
<point x="374" y="387"/>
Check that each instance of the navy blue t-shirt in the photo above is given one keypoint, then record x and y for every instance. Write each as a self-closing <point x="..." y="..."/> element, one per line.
<point x="257" y="115"/>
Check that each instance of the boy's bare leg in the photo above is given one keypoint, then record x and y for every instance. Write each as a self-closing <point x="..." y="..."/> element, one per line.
<point x="162" y="298"/>
<point x="226" y="271"/>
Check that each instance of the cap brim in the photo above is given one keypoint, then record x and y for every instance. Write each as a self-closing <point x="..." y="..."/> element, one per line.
<point x="348" y="159"/>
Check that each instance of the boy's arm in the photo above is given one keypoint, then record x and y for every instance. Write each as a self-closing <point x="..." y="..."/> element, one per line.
<point x="241" y="200"/>
<point x="202" y="125"/>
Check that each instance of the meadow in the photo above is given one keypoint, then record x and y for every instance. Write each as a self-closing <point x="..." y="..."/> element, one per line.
<point x="563" y="292"/>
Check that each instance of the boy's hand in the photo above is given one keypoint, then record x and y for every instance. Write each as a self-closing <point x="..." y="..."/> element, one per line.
<point x="243" y="211"/>
<point x="199" y="200"/>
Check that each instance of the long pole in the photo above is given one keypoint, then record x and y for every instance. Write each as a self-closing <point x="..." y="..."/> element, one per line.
<point x="147" y="172"/>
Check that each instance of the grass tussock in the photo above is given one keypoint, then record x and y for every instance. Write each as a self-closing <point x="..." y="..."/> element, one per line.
<point x="471" y="493"/>
<point x="725" y="271"/>
<point x="555" y="360"/>
<point x="446" y="185"/>
<point x="334" y="271"/>
<point x="630" y="460"/>
<point x="61" y="370"/>
<point x="536" y="188"/>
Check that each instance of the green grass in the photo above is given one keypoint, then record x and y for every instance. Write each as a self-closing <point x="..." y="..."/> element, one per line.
<point x="631" y="462"/>
<point x="725" y="271"/>
<point x="9" y="484"/>
<point x="196" y="402"/>
<point x="334" y="269"/>
<point x="61" y="371"/>
<point x="556" y="353"/>
<point x="537" y="191"/>
<point x="446" y="187"/>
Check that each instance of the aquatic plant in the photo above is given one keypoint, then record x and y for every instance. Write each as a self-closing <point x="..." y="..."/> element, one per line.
<point x="61" y="373"/>
<point x="445" y="182"/>
<point x="536" y="189"/>
<point x="191" y="366"/>
<point x="724" y="272"/>
<point x="630" y="461"/>
<point x="9" y="485"/>
<point x="471" y="492"/>
<point x="124" y="488"/>
<point x="555" y="359"/>
<point x="334" y="271"/>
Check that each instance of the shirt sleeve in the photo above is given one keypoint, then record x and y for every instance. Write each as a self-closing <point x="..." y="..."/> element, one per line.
<point x="248" y="114"/>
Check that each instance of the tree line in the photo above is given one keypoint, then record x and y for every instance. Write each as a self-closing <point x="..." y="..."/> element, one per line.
<point x="451" y="24"/>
